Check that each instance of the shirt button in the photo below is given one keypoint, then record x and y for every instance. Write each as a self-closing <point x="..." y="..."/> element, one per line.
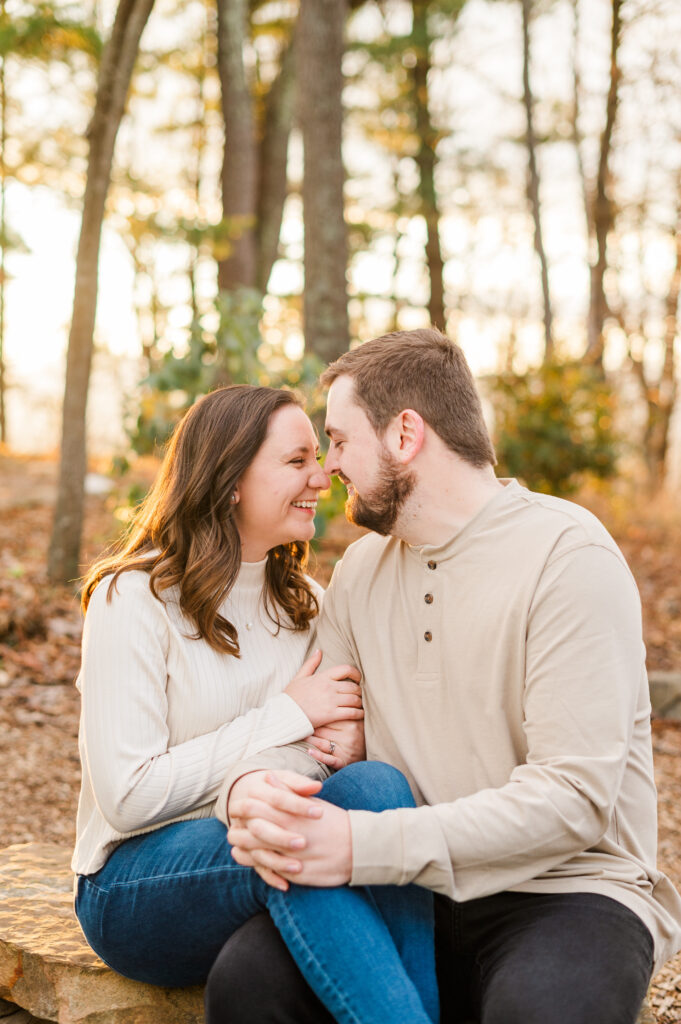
<point x="249" y="625"/>
<point x="432" y="564"/>
<point x="428" y="598"/>
<point x="428" y="636"/>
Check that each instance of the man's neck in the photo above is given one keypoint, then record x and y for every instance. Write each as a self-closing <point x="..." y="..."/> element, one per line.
<point x="448" y="495"/>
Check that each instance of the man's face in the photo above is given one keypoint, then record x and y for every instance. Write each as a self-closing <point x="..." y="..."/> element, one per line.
<point x="377" y="484"/>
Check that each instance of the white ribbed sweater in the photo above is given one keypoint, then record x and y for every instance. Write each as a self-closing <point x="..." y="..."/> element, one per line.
<point x="165" y="716"/>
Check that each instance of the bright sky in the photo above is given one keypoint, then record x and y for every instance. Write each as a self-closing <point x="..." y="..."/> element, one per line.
<point x="490" y="255"/>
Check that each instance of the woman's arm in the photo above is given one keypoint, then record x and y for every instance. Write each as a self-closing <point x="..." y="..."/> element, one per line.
<point x="139" y="779"/>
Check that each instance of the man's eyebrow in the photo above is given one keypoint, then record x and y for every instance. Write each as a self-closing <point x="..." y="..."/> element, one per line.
<point x="333" y="430"/>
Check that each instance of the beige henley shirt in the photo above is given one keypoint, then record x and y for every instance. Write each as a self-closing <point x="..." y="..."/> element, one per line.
<point x="504" y="674"/>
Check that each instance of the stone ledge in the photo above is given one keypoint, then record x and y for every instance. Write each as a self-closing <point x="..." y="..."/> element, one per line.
<point x="665" y="693"/>
<point x="47" y="967"/>
<point x="10" y="1013"/>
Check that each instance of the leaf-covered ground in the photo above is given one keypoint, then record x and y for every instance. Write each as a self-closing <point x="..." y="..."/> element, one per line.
<point x="40" y="630"/>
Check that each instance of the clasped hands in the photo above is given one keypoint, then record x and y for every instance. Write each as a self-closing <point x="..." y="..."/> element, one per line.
<point x="278" y="825"/>
<point x="282" y="830"/>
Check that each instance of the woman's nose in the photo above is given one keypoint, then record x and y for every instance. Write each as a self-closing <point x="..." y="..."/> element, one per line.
<point x="320" y="479"/>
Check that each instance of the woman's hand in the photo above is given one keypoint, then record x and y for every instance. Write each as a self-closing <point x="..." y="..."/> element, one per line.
<point x="327" y="696"/>
<point x="275" y="828"/>
<point x="338" y="744"/>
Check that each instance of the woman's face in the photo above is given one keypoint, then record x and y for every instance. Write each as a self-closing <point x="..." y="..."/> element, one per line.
<point x="277" y="494"/>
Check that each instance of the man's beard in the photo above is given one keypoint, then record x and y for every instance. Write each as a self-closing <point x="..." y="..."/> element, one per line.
<point x="380" y="509"/>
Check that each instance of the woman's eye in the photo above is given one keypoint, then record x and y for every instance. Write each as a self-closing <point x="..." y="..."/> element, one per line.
<point x="297" y="462"/>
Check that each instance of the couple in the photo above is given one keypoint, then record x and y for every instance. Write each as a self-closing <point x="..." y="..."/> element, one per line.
<point x="506" y="718"/>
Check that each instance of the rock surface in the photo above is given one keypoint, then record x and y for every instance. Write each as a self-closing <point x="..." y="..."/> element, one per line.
<point x="665" y="693"/>
<point x="47" y="967"/>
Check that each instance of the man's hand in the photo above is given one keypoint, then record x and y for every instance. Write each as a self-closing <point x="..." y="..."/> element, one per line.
<point x="271" y="794"/>
<point x="310" y="844"/>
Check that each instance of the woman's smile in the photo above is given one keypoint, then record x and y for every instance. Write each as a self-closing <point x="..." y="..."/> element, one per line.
<point x="309" y="505"/>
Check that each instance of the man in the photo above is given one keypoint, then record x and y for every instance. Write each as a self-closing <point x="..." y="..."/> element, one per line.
<point x="498" y="633"/>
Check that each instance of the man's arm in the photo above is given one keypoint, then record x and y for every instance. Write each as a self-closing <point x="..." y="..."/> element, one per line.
<point x="584" y="669"/>
<point x="583" y="677"/>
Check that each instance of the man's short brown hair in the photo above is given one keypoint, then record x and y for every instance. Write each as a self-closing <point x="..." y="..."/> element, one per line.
<point x="421" y="370"/>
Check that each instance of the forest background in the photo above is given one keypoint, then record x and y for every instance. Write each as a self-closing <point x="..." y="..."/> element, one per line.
<point x="198" y="192"/>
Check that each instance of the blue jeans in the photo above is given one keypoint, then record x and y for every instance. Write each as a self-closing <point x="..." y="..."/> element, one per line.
<point x="165" y="903"/>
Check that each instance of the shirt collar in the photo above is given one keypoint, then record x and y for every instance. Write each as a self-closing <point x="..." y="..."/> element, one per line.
<point x="251" y="575"/>
<point x="439" y="552"/>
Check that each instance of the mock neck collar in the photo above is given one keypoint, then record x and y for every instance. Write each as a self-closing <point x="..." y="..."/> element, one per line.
<point x="439" y="552"/>
<point x="251" y="575"/>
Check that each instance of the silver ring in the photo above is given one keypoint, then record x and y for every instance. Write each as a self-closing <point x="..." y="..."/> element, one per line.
<point x="332" y="746"/>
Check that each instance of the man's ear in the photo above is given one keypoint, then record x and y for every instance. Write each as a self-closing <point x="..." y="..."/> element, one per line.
<point x="405" y="435"/>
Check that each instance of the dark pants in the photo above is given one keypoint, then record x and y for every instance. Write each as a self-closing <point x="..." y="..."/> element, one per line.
<point x="512" y="958"/>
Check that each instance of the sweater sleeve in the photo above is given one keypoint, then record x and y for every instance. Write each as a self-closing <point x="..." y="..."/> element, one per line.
<point x="138" y="778"/>
<point x="583" y="680"/>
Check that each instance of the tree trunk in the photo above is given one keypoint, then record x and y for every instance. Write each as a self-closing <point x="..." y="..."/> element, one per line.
<point x="195" y="173"/>
<point x="238" y="268"/>
<point x="533" y="182"/>
<point x="661" y="399"/>
<point x="273" y="153"/>
<point x="426" y="161"/>
<point x="577" y="138"/>
<point x="118" y="60"/>
<point x="3" y="239"/>
<point x="320" y="51"/>
<point x="602" y="208"/>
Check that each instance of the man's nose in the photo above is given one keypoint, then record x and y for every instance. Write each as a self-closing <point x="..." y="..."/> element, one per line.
<point x="330" y="463"/>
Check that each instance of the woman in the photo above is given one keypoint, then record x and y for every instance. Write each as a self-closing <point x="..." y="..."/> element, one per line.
<point x="193" y="658"/>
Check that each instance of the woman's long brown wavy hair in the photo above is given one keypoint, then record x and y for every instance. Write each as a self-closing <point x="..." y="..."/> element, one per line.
<point x="184" y="534"/>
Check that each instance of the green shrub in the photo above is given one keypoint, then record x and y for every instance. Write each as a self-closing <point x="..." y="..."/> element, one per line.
<point x="554" y="426"/>
<point x="229" y="355"/>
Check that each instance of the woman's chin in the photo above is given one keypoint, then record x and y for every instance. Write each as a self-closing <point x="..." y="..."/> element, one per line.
<point x="306" y="535"/>
<point x="302" y="535"/>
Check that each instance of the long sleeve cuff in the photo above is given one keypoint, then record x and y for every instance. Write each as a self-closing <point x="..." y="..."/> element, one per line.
<point x="290" y="718"/>
<point x="400" y="846"/>
<point x="293" y="757"/>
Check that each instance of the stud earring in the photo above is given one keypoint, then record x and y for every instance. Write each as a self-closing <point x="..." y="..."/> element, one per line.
<point x="233" y="499"/>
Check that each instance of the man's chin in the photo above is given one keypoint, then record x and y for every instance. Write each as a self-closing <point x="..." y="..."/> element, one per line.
<point x="361" y="515"/>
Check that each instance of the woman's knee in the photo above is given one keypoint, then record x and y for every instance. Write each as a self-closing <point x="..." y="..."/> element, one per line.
<point x="368" y="786"/>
